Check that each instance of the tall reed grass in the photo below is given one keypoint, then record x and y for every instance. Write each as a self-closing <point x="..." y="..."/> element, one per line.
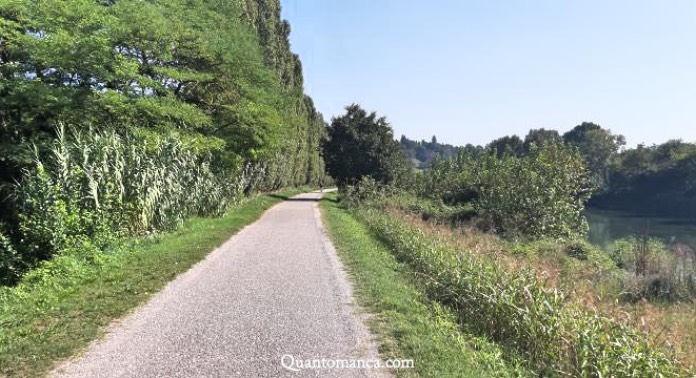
<point x="518" y="310"/>
<point x="96" y="185"/>
<point x="656" y="272"/>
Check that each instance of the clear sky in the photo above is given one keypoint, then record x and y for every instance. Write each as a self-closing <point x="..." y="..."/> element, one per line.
<point x="471" y="71"/>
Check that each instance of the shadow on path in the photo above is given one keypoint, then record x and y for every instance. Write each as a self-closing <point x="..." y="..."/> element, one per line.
<point x="286" y="198"/>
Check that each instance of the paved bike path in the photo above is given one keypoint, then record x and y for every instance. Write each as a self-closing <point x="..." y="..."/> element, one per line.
<point x="274" y="289"/>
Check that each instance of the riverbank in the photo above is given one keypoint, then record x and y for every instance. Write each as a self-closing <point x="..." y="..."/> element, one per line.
<point x="585" y="277"/>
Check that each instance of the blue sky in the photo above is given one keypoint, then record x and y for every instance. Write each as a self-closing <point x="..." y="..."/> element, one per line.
<point x="471" y="71"/>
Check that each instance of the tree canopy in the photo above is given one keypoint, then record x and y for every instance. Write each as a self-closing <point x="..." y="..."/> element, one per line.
<point x="658" y="179"/>
<point x="219" y="74"/>
<point x="362" y="144"/>
<point x="540" y="137"/>
<point x="507" y="145"/>
<point x="200" y="99"/>
<point x="598" y="148"/>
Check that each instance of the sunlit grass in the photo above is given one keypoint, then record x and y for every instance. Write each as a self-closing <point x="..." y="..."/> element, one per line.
<point x="407" y="323"/>
<point x="522" y="298"/>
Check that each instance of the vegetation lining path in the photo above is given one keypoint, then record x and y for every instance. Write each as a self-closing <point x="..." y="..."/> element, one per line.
<point x="407" y="323"/>
<point x="58" y="309"/>
<point x="272" y="294"/>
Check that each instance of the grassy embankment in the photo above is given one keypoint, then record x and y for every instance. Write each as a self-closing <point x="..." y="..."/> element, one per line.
<point x="640" y="283"/>
<point x="493" y="293"/>
<point x="407" y="323"/>
<point x="58" y="308"/>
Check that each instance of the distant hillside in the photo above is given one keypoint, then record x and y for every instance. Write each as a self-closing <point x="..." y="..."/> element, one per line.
<point x="421" y="153"/>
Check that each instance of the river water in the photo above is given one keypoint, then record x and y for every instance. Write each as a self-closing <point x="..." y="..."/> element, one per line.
<point x="607" y="226"/>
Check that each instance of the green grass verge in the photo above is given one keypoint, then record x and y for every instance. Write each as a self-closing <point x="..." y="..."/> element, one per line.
<point x="407" y="324"/>
<point x="59" y="308"/>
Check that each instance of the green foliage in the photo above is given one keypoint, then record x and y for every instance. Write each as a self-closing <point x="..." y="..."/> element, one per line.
<point x="540" y="195"/>
<point x="405" y="321"/>
<point x="658" y="179"/>
<point x="539" y="137"/>
<point x="598" y="148"/>
<point x="636" y="254"/>
<point x="655" y="272"/>
<point x="562" y="250"/>
<point x="507" y="145"/>
<point x="219" y="73"/>
<point x="11" y="263"/>
<point x="60" y="307"/>
<point x="361" y="144"/>
<point x="98" y="184"/>
<point x="517" y="310"/>
<point x="452" y="180"/>
<point x="295" y="159"/>
<point x="366" y="191"/>
<point x="428" y="209"/>
<point x="422" y="153"/>
<point x="174" y="108"/>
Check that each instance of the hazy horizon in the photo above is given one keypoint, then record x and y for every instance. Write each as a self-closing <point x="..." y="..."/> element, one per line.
<point x="469" y="72"/>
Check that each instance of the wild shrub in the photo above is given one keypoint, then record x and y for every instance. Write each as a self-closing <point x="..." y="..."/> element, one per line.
<point x="517" y="310"/>
<point x="366" y="190"/>
<point x="252" y="177"/>
<point x="10" y="260"/>
<point x="655" y="272"/>
<point x="452" y="181"/>
<point x="542" y="194"/>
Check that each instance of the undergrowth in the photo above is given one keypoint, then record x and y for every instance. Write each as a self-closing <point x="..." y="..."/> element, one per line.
<point x="519" y="310"/>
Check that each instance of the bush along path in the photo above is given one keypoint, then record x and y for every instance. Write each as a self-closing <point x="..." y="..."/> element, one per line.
<point x="59" y="307"/>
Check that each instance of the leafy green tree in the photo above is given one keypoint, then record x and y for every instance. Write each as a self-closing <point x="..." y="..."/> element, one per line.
<point x="657" y="179"/>
<point x="422" y="153"/>
<point x="360" y="144"/>
<point x="539" y="137"/>
<point x="507" y="145"/>
<point x="598" y="148"/>
<point x="453" y="180"/>
<point x="217" y="75"/>
<point x="220" y="73"/>
<point x="542" y="194"/>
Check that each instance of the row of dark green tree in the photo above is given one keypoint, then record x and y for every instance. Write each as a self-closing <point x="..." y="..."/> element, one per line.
<point x="659" y="179"/>
<point x="152" y="110"/>
<point x="537" y="188"/>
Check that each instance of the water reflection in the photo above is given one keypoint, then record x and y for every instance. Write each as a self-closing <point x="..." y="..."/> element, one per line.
<point x="609" y="225"/>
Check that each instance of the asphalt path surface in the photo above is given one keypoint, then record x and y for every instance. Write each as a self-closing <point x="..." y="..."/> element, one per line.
<point x="275" y="289"/>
